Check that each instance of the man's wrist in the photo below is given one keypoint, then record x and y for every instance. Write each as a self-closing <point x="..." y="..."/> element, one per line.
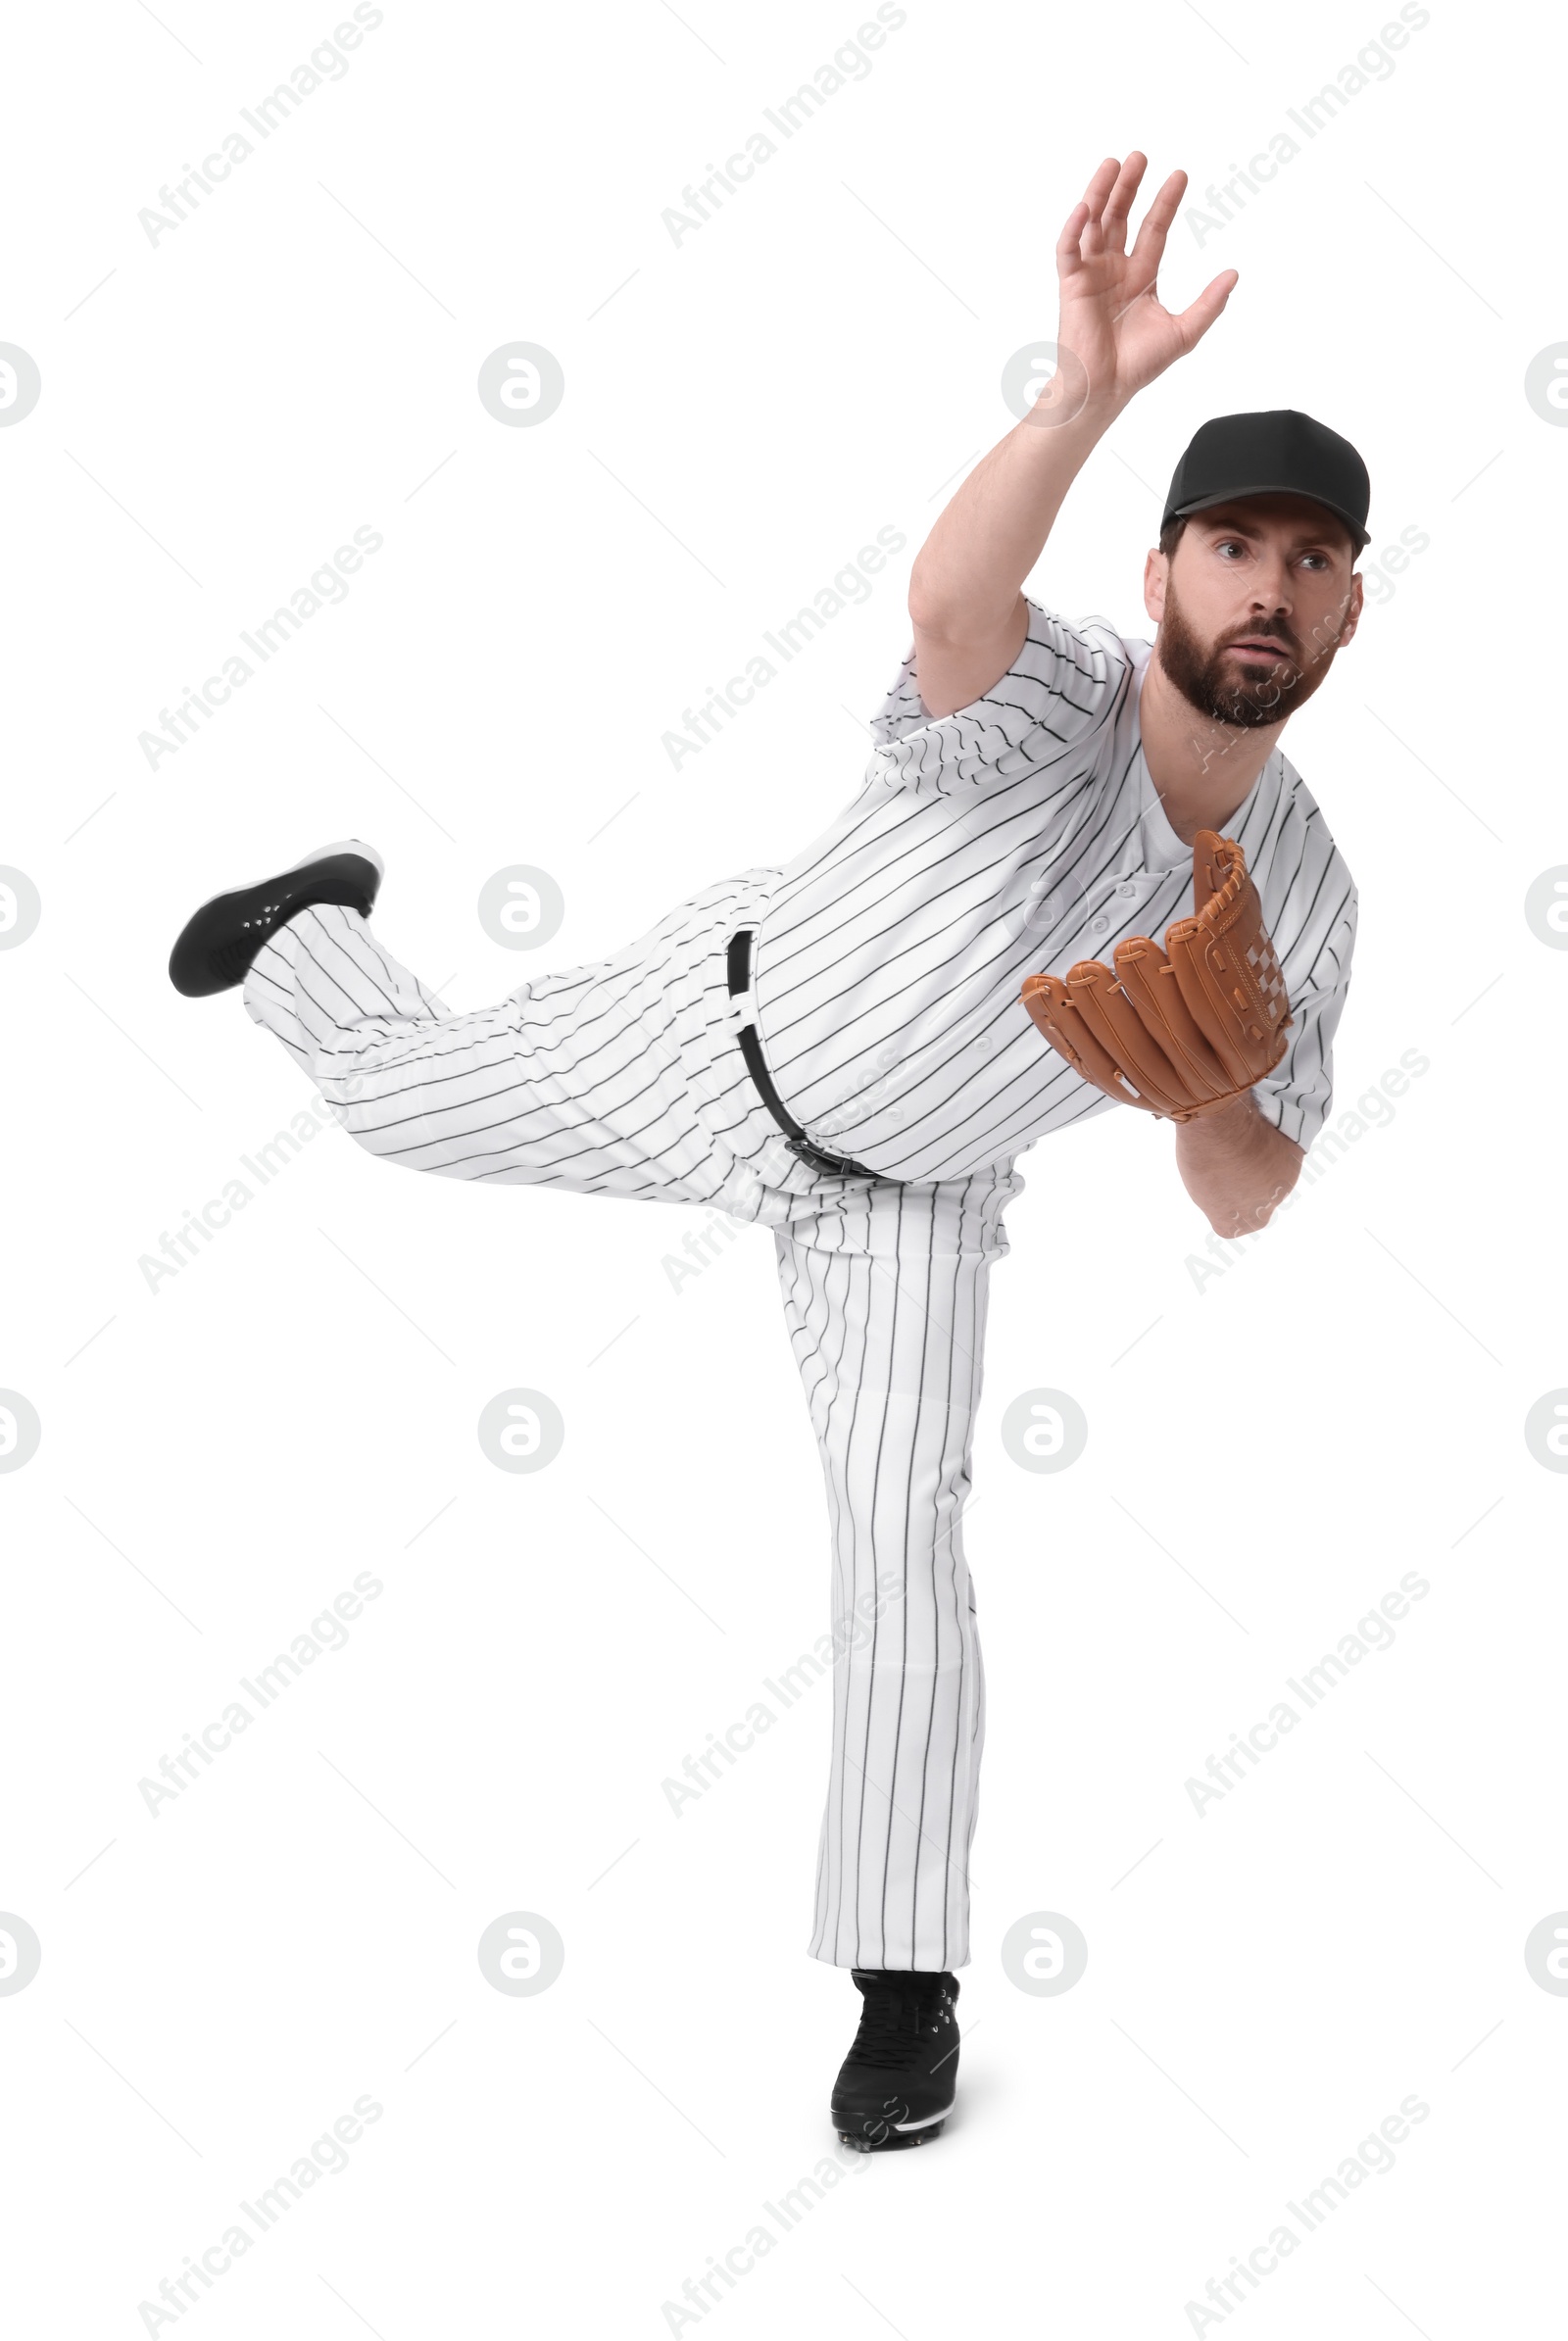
<point x="1059" y="410"/>
<point x="1227" y="1121"/>
<point x="1235" y="1133"/>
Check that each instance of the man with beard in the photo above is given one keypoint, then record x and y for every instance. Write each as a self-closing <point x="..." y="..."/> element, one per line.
<point x="836" y="1048"/>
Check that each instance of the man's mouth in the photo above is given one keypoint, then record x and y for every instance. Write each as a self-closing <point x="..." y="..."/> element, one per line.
<point x="1261" y="645"/>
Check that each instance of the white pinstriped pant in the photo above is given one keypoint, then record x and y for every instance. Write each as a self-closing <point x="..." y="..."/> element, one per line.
<point x="624" y="1078"/>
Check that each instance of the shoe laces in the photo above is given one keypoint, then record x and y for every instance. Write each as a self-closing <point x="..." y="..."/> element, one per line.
<point x="892" y="2021"/>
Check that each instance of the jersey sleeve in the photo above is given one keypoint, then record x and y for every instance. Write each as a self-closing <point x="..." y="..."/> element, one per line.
<point x="1044" y="713"/>
<point x="1297" y="1096"/>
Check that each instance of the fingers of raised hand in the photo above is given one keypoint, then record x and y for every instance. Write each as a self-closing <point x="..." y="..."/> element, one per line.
<point x="1098" y="225"/>
<point x="1069" y="251"/>
<point x="1098" y="192"/>
<point x="1151" y="243"/>
<point x="1120" y="201"/>
<point x="1100" y="184"/>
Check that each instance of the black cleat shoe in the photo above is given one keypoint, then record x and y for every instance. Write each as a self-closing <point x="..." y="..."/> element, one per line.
<point x="897" y="2085"/>
<point x="215" y="947"/>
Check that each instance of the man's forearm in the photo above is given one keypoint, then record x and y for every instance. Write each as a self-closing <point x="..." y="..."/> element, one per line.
<point x="967" y="578"/>
<point x="1235" y="1166"/>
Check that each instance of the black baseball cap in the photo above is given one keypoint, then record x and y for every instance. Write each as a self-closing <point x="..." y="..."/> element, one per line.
<point x="1252" y="455"/>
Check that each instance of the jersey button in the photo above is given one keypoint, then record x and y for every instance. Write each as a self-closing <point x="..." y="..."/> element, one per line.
<point x="1099" y="926"/>
<point x="1127" y="888"/>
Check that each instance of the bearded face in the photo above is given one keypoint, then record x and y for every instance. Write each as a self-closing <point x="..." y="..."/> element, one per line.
<point x="1234" y="662"/>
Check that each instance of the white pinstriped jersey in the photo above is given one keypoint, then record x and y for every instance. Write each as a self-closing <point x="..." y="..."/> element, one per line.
<point x="1020" y="834"/>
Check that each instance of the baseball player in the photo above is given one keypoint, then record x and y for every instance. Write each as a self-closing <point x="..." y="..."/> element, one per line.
<point x="840" y="1048"/>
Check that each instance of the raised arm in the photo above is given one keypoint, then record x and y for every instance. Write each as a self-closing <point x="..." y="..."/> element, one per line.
<point x="966" y="602"/>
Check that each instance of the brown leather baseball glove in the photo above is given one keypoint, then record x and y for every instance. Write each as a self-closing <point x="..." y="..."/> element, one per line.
<point x="1183" y="1029"/>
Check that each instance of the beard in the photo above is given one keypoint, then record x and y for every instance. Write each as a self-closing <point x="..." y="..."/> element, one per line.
<point x="1241" y="689"/>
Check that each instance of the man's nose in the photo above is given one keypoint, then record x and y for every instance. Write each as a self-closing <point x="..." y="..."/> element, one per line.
<point x="1271" y="587"/>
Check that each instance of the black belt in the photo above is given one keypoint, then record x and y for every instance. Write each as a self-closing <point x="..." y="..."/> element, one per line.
<point x="838" y="1166"/>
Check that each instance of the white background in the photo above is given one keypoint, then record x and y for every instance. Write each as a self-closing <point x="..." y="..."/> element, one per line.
<point x="1268" y="1453"/>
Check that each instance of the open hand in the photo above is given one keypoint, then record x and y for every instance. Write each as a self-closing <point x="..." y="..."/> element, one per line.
<point x="1112" y="322"/>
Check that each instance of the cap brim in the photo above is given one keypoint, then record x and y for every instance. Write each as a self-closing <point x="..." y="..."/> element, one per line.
<point x="1359" y="536"/>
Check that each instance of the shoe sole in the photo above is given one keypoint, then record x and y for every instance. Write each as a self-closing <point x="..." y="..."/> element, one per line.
<point x="896" y="2134"/>
<point x="216" y="944"/>
<point x="919" y="2134"/>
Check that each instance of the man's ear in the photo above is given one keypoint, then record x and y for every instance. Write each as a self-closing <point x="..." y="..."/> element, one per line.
<point x="1155" y="571"/>
<point x="1357" y="599"/>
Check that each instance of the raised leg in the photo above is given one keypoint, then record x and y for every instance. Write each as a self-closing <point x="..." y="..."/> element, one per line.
<point x="574" y="1080"/>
